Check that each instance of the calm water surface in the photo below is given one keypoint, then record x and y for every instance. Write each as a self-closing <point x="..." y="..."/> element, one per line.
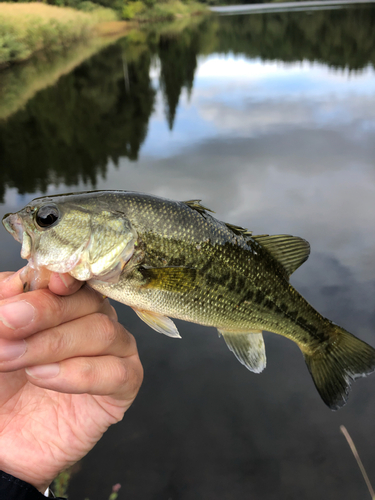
<point x="270" y="120"/>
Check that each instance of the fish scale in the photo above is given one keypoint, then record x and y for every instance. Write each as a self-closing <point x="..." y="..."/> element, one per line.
<point x="174" y="259"/>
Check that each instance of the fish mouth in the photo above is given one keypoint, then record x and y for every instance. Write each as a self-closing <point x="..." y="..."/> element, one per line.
<point x="13" y="224"/>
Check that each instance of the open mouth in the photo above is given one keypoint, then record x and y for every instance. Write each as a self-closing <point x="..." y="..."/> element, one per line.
<point x="13" y="224"/>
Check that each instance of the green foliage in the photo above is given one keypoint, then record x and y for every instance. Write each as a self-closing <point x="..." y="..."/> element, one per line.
<point x="11" y="47"/>
<point x="115" y="490"/>
<point x="99" y="12"/>
<point x="156" y="10"/>
<point x="149" y="3"/>
<point x="132" y="10"/>
<point x="61" y="483"/>
<point x="143" y="10"/>
<point x="19" y="40"/>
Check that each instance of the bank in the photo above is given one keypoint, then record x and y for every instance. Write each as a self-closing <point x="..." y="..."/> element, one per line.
<point x="27" y="28"/>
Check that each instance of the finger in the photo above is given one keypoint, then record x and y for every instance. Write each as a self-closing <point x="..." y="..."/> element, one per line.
<point x="60" y="284"/>
<point x="120" y="378"/>
<point x="26" y="314"/>
<point x="64" y="284"/>
<point x="5" y="275"/>
<point x="91" y="335"/>
<point x="109" y="310"/>
<point x="10" y="284"/>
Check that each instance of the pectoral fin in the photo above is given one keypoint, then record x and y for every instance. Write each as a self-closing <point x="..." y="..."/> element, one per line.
<point x="171" y="279"/>
<point x="160" y="323"/>
<point x="248" y="348"/>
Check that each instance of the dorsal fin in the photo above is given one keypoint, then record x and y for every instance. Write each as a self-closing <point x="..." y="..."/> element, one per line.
<point x="290" y="251"/>
<point x="196" y="205"/>
<point x="238" y="229"/>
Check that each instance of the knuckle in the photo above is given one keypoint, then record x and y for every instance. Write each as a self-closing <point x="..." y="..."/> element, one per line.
<point x="54" y="343"/>
<point x="113" y="313"/>
<point x="109" y="310"/>
<point x="129" y="340"/>
<point x="106" y="328"/>
<point x="139" y="373"/>
<point x="134" y="378"/>
<point x="87" y="373"/>
<point x="53" y="305"/>
<point x="122" y="376"/>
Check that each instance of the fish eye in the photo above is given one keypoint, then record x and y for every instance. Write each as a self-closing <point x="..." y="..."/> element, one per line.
<point x="47" y="216"/>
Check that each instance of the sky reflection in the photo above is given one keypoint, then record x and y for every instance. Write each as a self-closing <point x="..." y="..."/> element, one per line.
<point x="239" y="97"/>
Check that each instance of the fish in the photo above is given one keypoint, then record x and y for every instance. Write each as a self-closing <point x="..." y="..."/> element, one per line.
<point x="173" y="259"/>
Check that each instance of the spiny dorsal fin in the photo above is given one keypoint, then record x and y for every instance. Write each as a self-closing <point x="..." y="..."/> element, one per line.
<point x="196" y="205"/>
<point x="290" y="251"/>
<point x="242" y="231"/>
<point x="248" y="348"/>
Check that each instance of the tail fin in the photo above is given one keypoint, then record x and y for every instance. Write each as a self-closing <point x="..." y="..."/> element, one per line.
<point x="335" y="364"/>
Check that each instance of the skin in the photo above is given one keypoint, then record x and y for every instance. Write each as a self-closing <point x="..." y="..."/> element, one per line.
<point x="78" y="374"/>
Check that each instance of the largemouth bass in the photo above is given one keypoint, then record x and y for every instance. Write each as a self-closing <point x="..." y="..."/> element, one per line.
<point x="167" y="259"/>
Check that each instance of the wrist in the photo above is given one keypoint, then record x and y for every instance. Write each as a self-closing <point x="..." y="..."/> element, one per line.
<point x="40" y="484"/>
<point x="13" y="488"/>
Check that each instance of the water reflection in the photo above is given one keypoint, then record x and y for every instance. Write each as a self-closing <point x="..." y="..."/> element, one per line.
<point x="101" y="119"/>
<point x="339" y="38"/>
<point x="270" y="120"/>
<point x="68" y="132"/>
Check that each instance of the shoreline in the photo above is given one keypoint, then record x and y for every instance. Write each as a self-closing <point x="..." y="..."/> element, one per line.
<point x="33" y="27"/>
<point x="28" y="28"/>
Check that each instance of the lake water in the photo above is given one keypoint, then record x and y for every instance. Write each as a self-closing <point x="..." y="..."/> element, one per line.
<point x="270" y="120"/>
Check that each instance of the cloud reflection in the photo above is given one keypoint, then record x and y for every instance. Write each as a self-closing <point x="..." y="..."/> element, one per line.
<point x="299" y="161"/>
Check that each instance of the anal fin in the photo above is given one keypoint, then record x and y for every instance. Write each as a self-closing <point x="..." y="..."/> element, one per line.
<point x="161" y="324"/>
<point x="248" y="347"/>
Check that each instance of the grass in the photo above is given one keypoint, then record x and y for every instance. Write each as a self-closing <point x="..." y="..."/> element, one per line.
<point x="61" y="484"/>
<point x="26" y="28"/>
<point x="358" y="460"/>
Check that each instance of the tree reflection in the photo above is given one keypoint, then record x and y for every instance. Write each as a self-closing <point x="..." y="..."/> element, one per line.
<point x="67" y="132"/>
<point x="340" y="38"/>
<point x="174" y="76"/>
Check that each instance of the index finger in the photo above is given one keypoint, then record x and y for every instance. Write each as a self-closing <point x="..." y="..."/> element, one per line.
<point x="61" y="284"/>
<point x="38" y="310"/>
<point x="10" y="284"/>
<point x="64" y="284"/>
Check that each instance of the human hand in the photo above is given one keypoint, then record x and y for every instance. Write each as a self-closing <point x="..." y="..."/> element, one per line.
<point x="75" y="371"/>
